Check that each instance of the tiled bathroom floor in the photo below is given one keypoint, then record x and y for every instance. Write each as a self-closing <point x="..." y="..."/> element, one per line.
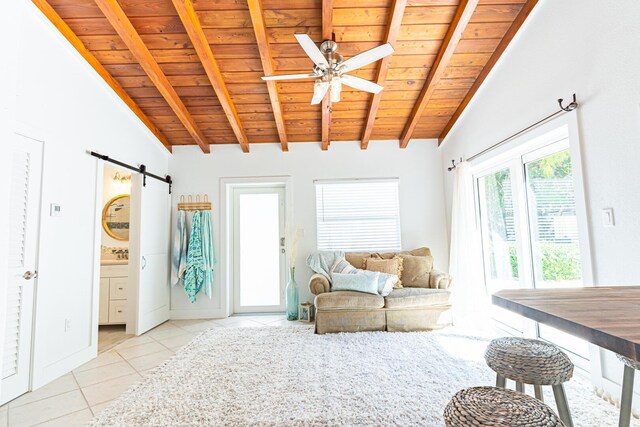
<point x="75" y="398"/>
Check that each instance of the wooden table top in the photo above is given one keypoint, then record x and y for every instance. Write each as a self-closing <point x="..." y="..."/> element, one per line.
<point x="605" y="316"/>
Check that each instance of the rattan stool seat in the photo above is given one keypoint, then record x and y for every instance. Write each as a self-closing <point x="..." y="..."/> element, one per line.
<point x="529" y="361"/>
<point x="491" y="406"/>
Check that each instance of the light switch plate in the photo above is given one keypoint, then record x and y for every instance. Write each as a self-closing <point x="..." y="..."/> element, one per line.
<point x="607" y="217"/>
<point x="55" y="209"/>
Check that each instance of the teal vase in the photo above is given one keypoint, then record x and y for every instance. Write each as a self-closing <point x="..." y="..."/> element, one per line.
<point x="292" y="296"/>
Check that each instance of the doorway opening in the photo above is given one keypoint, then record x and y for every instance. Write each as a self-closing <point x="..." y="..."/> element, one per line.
<point x="114" y="257"/>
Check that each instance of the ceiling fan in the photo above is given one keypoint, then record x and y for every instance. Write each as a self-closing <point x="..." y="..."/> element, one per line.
<point x="330" y="68"/>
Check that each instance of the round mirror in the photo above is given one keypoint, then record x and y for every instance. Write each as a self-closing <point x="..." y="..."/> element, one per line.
<point x="115" y="217"/>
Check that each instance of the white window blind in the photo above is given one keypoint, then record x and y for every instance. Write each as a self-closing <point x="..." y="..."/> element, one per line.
<point x="358" y="215"/>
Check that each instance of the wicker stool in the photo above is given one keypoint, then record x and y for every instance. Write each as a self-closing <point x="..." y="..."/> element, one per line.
<point x="627" y="390"/>
<point x="535" y="362"/>
<point x="491" y="406"/>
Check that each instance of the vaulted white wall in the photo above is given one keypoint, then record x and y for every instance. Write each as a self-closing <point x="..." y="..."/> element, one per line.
<point x="421" y="194"/>
<point x="591" y="48"/>
<point x="50" y="93"/>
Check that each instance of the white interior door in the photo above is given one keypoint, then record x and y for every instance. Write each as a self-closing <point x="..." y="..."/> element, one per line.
<point x="24" y="206"/>
<point x="148" y="254"/>
<point x="259" y="260"/>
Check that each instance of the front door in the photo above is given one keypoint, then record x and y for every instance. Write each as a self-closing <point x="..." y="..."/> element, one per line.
<point x="149" y="254"/>
<point x="258" y="249"/>
<point x="24" y="206"/>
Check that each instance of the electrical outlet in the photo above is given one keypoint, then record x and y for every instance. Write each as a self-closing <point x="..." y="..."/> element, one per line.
<point x="608" y="220"/>
<point x="67" y="325"/>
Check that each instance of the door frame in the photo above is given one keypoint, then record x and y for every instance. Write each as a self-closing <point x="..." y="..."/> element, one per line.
<point x="226" y="221"/>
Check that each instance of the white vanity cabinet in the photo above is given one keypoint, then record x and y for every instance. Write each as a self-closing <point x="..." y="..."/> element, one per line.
<point x="113" y="294"/>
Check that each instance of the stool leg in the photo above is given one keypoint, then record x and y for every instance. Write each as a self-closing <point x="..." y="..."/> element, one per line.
<point x="627" y="397"/>
<point x="501" y="382"/>
<point x="538" y="390"/>
<point x="519" y="387"/>
<point x="563" y="406"/>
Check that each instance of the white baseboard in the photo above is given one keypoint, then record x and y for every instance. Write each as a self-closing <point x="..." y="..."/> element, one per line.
<point x="189" y="314"/>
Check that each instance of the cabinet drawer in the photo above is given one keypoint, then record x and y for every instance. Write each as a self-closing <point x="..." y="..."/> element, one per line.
<point x="118" y="311"/>
<point x="118" y="288"/>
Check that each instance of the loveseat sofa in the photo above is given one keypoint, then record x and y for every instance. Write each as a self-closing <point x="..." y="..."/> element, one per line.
<point x="420" y="305"/>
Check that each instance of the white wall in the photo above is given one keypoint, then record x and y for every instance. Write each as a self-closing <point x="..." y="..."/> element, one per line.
<point x="591" y="48"/>
<point x="421" y="199"/>
<point x="111" y="189"/>
<point x="55" y="96"/>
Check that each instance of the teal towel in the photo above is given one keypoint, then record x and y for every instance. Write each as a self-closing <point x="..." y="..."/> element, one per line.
<point x="195" y="275"/>
<point x="208" y="255"/>
<point x="179" y="250"/>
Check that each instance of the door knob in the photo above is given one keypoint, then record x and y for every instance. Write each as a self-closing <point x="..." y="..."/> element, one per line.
<point x="28" y="275"/>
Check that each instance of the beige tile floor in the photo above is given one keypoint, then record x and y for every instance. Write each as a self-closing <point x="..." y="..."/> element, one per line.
<point x="73" y="399"/>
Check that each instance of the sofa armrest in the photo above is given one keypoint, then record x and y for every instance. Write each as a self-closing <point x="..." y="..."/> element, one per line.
<point x="318" y="284"/>
<point x="439" y="280"/>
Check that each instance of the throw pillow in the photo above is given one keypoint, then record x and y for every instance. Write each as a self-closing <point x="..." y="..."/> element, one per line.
<point x="355" y="282"/>
<point x="387" y="266"/>
<point x="416" y="270"/>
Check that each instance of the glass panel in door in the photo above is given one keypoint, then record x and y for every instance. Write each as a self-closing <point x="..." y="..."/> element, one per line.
<point x="259" y="260"/>
<point x="500" y="255"/>
<point x="553" y="233"/>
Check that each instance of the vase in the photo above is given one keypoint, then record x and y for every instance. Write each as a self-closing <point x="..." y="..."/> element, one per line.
<point x="292" y="296"/>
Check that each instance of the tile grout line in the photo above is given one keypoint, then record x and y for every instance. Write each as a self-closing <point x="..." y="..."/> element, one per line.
<point x="82" y="392"/>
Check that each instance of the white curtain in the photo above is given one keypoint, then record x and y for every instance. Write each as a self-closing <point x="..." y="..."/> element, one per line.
<point x="465" y="258"/>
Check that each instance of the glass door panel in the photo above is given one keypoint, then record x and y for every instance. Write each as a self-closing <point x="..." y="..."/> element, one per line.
<point x="500" y="255"/>
<point x="258" y="259"/>
<point x="553" y="230"/>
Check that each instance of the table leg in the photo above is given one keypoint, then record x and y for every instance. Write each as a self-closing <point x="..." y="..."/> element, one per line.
<point x="627" y="396"/>
<point x="538" y="390"/>
<point x="501" y="382"/>
<point x="519" y="387"/>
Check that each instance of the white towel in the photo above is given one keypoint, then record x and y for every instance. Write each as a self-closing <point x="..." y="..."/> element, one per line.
<point x="179" y="250"/>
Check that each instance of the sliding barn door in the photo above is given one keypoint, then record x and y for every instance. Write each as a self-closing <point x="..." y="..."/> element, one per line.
<point x="149" y="254"/>
<point x="23" y="208"/>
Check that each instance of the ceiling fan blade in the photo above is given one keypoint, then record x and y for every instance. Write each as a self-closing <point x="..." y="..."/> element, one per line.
<point x="318" y="94"/>
<point x="367" y="57"/>
<point x="312" y="51"/>
<point x="361" y="84"/>
<point x="290" y="77"/>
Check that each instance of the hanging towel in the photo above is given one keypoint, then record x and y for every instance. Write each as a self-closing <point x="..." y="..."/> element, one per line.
<point x="179" y="250"/>
<point x="208" y="255"/>
<point x="194" y="277"/>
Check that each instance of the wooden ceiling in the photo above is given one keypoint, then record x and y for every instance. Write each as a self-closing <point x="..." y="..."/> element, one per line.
<point x="190" y="69"/>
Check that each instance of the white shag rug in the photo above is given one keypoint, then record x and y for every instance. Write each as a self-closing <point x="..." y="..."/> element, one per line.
<point x="287" y="376"/>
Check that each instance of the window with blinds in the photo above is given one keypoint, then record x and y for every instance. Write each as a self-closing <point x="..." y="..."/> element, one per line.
<point x="358" y="215"/>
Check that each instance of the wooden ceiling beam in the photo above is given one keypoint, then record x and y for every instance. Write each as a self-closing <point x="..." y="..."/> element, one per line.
<point x="449" y="44"/>
<point x="497" y="53"/>
<point x="393" y="29"/>
<point x="125" y="29"/>
<point x="75" y="41"/>
<point x="190" y="20"/>
<point x="327" y="34"/>
<point x="259" y="27"/>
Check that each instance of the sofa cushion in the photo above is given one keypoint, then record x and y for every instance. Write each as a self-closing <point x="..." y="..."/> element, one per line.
<point x="355" y="258"/>
<point x="416" y="271"/>
<point x="387" y="266"/>
<point x="415" y="297"/>
<point x="348" y="300"/>
<point x="367" y="283"/>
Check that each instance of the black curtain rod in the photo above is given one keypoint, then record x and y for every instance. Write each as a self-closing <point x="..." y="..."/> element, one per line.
<point x="572" y="106"/>
<point x="141" y="169"/>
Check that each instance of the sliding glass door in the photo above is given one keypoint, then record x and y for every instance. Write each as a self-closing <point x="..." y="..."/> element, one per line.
<point x="529" y="229"/>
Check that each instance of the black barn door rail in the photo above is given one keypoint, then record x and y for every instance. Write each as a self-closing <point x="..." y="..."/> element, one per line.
<point x="140" y="169"/>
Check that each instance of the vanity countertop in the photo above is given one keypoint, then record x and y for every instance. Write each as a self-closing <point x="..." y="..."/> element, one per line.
<point x="114" y="261"/>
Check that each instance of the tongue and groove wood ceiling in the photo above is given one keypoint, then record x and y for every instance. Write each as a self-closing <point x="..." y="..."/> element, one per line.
<point x="190" y="69"/>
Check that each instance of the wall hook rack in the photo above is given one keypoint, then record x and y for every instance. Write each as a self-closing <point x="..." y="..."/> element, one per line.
<point x="191" y="203"/>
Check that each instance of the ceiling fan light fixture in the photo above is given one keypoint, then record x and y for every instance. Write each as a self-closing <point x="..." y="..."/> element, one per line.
<point x="336" y="88"/>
